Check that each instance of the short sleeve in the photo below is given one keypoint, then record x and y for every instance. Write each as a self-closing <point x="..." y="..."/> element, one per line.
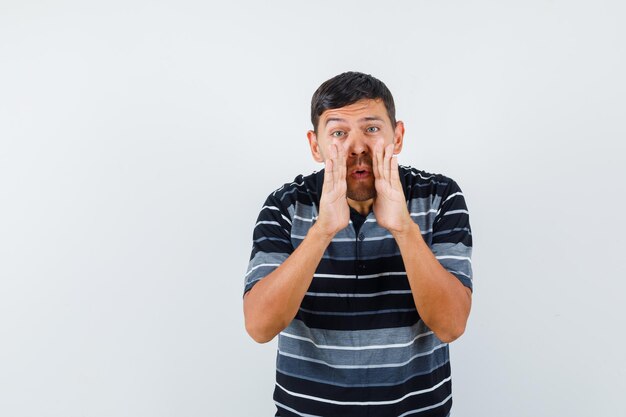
<point x="452" y="235"/>
<point x="271" y="241"/>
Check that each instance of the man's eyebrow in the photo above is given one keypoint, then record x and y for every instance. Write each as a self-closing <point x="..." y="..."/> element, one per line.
<point x="334" y="119"/>
<point x="363" y="119"/>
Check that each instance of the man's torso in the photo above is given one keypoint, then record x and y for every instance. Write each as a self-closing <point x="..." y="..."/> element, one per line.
<point x="357" y="346"/>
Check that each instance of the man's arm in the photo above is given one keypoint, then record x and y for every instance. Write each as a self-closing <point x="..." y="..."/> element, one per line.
<point x="274" y="301"/>
<point x="442" y="301"/>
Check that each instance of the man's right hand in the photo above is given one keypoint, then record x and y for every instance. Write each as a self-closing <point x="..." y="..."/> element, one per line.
<point x="274" y="301"/>
<point x="334" y="212"/>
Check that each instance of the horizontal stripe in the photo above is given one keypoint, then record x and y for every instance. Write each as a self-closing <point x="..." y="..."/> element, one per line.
<point x="400" y="335"/>
<point x="363" y="258"/>
<point x="456" y="229"/>
<point x="460" y="273"/>
<point x="283" y="406"/>
<point x="423" y="213"/>
<point x="353" y="239"/>
<point x="273" y="239"/>
<point x="411" y="404"/>
<point x="420" y="410"/>
<point x="334" y="382"/>
<point x="268" y="222"/>
<point x="430" y="184"/>
<point x="464" y="258"/>
<point x="374" y="366"/>
<point x="356" y="313"/>
<point x="259" y="266"/>
<point x="357" y="306"/>
<point x="357" y="295"/>
<point x="459" y="193"/>
<point x="397" y="354"/>
<point x="307" y="219"/>
<point x="450" y="212"/>
<point x="363" y="403"/>
<point x="433" y="367"/>
<point x="417" y="174"/>
<point x="340" y="276"/>
<point x="357" y="323"/>
<point x="364" y="286"/>
<point x="287" y="193"/>
<point x="291" y="184"/>
<point x="348" y="239"/>
<point x="366" y="347"/>
<point x="252" y="281"/>
<point x="278" y="210"/>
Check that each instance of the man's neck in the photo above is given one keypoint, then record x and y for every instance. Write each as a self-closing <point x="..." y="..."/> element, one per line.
<point x="362" y="207"/>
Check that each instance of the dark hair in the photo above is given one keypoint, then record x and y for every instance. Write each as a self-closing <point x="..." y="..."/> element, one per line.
<point x="348" y="88"/>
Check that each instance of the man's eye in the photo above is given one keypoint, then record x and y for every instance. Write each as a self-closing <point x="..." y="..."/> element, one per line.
<point x="337" y="134"/>
<point x="373" y="129"/>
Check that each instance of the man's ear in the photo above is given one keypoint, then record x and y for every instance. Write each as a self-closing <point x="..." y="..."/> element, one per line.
<point x="398" y="137"/>
<point x="315" y="147"/>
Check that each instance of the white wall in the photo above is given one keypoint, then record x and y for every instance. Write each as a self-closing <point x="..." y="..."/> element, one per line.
<point x="138" y="139"/>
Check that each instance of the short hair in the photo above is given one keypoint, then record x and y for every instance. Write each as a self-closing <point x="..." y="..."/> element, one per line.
<point x="348" y="88"/>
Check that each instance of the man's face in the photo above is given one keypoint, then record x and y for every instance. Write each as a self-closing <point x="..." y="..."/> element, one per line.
<point x="357" y="128"/>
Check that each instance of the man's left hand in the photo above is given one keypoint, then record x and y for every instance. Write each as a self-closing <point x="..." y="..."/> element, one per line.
<point x="390" y="205"/>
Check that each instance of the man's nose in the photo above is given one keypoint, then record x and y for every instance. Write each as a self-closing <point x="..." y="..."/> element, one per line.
<point x="358" y="146"/>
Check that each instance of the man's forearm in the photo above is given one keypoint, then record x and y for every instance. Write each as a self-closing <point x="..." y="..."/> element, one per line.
<point x="273" y="302"/>
<point x="442" y="301"/>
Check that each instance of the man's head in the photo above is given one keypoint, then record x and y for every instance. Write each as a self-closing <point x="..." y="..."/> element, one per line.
<point x="356" y="112"/>
<point x="348" y="88"/>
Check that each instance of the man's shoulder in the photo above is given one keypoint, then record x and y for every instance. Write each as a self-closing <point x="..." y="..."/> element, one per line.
<point x="415" y="180"/>
<point x="302" y="187"/>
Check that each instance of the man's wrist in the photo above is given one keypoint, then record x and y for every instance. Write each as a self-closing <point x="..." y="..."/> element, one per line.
<point x="319" y="234"/>
<point x="409" y="231"/>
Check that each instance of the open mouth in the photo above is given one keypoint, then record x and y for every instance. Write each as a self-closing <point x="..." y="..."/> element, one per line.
<point x="360" y="173"/>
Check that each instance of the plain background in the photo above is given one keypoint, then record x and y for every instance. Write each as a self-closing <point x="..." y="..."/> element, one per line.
<point x="139" y="139"/>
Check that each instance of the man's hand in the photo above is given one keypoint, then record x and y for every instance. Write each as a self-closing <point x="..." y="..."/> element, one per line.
<point x="390" y="204"/>
<point x="334" y="212"/>
<point x="274" y="301"/>
<point x="442" y="301"/>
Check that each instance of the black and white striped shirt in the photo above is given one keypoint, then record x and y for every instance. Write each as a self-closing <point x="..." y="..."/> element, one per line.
<point x="357" y="346"/>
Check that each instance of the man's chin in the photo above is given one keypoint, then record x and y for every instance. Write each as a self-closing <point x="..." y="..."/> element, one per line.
<point x="361" y="194"/>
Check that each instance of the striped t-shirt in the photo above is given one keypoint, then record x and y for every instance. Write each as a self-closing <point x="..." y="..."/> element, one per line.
<point x="357" y="346"/>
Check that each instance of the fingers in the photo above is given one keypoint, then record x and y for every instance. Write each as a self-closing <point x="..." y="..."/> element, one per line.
<point x="329" y="171"/>
<point x="335" y="172"/>
<point x="377" y="160"/>
<point x="328" y="174"/>
<point x="340" y="176"/>
<point x="382" y="162"/>
<point x="387" y="162"/>
<point x="395" y="173"/>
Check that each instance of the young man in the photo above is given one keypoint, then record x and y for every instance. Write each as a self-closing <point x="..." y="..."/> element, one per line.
<point x="363" y="269"/>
